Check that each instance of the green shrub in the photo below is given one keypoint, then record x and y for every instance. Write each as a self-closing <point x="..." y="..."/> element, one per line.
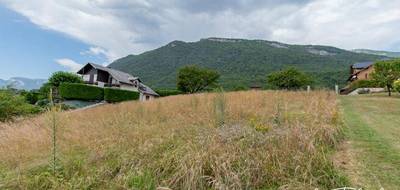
<point x="13" y="105"/>
<point x="168" y="92"/>
<point x="78" y="91"/>
<point x="117" y="95"/>
<point x="30" y="96"/>
<point x="396" y="85"/>
<point x="364" y="84"/>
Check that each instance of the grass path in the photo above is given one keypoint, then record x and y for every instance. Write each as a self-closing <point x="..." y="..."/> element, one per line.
<point x="373" y="130"/>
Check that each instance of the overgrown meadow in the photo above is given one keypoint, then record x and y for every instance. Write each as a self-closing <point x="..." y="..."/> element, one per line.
<point x="238" y="140"/>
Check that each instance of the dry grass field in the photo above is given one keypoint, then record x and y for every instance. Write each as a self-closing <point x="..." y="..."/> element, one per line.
<point x="238" y="140"/>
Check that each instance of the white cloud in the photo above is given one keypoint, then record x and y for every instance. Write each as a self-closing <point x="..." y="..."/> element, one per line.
<point x="69" y="64"/>
<point x="96" y="51"/>
<point x="116" y="28"/>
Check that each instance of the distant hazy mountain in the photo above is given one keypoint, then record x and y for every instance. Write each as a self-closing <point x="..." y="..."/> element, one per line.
<point x="375" y="52"/>
<point x="241" y="62"/>
<point x="22" y="83"/>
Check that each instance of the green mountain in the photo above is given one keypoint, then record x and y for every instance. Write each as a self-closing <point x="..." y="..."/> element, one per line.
<point x="241" y="62"/>
<point x="375" y="52"/>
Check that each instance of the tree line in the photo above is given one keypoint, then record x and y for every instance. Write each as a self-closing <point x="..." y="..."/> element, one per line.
<point x="192" y="79"/>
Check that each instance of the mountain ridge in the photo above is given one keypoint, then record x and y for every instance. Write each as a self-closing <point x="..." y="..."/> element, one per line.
<point x="241" y="62"/>
<point x="391" y="54"/>
<point x="22" y="83"/>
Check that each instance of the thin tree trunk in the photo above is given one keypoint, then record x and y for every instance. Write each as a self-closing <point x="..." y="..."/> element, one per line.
<point x="390" y="92"/>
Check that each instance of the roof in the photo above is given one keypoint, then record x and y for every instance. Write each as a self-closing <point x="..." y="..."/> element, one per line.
<point x="147" y="90"/>
<point x="122" y="77"/>
<point x="118" y="75"/>
<point x="362" y="65"/>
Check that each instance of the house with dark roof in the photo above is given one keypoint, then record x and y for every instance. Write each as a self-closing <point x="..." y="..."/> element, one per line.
<point x="361" y="71"/>
<point x="101" y="76"/>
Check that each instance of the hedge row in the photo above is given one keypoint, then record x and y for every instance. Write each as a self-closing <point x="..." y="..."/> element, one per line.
<point x="77" y="91"/>
<point x="364" y="84"/>
<point x="168" y="92"/>
<point x="116" y="95"/>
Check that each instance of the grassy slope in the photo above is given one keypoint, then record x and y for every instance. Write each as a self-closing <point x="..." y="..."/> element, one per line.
<point x="374" y="130"/>
<point x="267" y="140"/>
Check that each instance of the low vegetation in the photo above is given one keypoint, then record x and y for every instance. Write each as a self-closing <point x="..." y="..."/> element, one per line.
<point x="373" y="148"/>
<point x="364" y="84"/>
<point x="168" y="92"/>
<point x="77" y="91"/>
<point x="13" y="105"/>
<point x="117" y="95"/>
<point x="203" y="141"/>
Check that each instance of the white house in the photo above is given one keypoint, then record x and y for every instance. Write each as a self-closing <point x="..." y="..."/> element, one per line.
<point x="107" y="77"/>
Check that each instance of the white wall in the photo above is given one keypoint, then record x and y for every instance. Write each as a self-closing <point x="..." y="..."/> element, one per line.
<point x="128" y="87"/>
<point x="142" y="97"/>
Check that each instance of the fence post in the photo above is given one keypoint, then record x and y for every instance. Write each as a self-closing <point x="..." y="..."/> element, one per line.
<point x="337" y="89"/>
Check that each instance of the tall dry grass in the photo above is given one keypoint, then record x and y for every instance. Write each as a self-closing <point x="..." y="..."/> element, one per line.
<point x="240" y="140"/>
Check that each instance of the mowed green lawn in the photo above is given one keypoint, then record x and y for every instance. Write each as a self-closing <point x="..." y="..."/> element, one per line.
<point x="373" y="149"/>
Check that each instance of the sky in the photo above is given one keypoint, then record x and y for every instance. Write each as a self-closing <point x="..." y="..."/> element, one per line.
<point x="43" y="36"/>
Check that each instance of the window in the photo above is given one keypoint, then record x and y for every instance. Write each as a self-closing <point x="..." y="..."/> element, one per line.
<point x="366" y="75"/>
<point x="147" y="97"/>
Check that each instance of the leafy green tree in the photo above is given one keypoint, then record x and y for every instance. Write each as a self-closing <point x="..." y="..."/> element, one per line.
<point x="386" y="72"/>
<point x="289" y="79"/>
<point x="64" y="77"/>
<point x="192" y="79"/>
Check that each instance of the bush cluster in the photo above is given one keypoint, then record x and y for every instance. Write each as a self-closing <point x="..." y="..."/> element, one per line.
<point x="396" y="85"/>
<point x="14" y="105"/>
<point x="168" y="92"/>
<point x="117" y="95"/>
<point x="364" y="84"/>
<point x="80" y="92"/>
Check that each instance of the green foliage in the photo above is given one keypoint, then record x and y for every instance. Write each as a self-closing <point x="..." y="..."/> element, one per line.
<point x="243" y="62"/>
<point x="168" y="92"/>
<point x="239" y="87"/>
<point x="13" y="105"/>
<point x="386" y="72"/>
<point x="64" y="77"/>
<point x="364" y="84"/>
<point x="117" y="95"/>
<point x="192" y="79"/>
<point x="396" y="85"/>
<point x="78" y="91"/>
<point x="290" y="79"/>
<point x="145" y="181"/>
<point x="44" y="91"/>
<point x="31" y="96"/>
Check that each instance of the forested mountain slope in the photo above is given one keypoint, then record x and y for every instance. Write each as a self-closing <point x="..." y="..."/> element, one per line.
<point x="241" y="62"/>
